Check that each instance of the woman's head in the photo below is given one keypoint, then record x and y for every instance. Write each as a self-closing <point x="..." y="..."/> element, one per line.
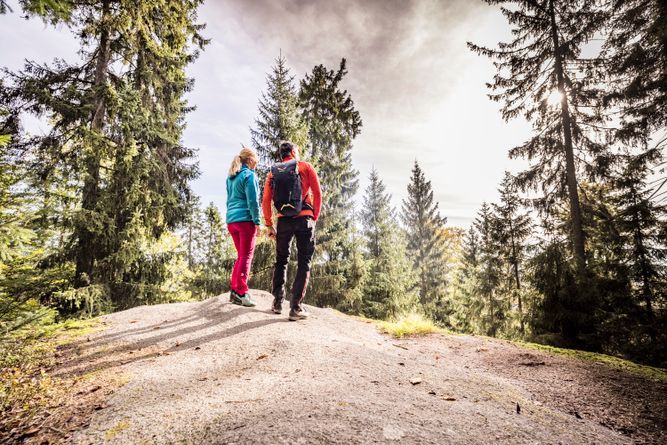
<point x="246" y="156"/>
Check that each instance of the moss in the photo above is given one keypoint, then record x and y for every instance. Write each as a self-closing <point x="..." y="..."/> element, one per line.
<point x="409" y="325"/>
<point x="648" y="372"/>
<point x="116" y="429"/>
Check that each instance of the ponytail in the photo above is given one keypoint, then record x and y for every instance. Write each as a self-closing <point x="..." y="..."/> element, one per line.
<point x="243" y="157"/>
<point x="236" y="166"/>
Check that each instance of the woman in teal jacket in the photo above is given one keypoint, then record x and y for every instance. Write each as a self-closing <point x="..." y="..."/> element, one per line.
<point x="243" y="220"/>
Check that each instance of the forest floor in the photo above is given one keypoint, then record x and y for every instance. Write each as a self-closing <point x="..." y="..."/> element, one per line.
<point x="215" y="373"/>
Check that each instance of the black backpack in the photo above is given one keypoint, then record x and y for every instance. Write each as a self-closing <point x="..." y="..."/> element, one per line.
<point x="286" y="187"/>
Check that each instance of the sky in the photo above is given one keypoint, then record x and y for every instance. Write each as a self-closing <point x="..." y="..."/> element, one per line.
<point x="420" y="92"/>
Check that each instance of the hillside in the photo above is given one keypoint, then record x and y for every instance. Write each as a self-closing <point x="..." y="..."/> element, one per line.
<point x="212" y="372"/>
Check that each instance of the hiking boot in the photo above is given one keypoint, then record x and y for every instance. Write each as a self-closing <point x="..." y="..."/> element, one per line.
<point x="298" y="314"/>
<point x="234" y="297"/>
<point x="246" y="301"/>
<point x="277" y="306"/>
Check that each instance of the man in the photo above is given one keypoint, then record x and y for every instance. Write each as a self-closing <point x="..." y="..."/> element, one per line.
<point x="294" y="188"/>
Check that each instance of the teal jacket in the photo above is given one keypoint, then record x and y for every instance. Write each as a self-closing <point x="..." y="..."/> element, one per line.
<point x="243" y="196"/>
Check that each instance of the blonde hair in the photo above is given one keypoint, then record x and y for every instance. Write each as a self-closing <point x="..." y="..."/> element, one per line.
<point x="243" y="157"/>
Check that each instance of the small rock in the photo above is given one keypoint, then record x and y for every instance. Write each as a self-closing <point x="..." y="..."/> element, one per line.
<point x="415" y="380"/>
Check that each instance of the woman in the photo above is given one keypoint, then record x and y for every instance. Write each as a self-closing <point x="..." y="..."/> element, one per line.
<point x="243" y="220"/>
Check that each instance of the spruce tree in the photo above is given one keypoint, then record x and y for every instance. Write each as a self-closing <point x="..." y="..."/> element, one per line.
<point x="279" y="117"/>
<point x="644" y="231"/>
<point x="465" y="311"/>
<point x="388" y="280"/>
<point x="423" y="225"/>
<point x="492" y="305"/>
<point x="544" y="60"/>
<point x="117" y="122"/>
<point x="636" y="47"/>
<point x="333" y="123"/>
<point x="514" y="228"/>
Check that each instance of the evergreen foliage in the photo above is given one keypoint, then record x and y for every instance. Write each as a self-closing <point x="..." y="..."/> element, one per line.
<point x="388" y="282"/>
<point x="117" y="122"/>
<point x="544" y="60"/>
<point x="333" y="123"/>
<point x="514" y="229"/>
<point x="425" y="243"/>
<point x="279" y="117"/>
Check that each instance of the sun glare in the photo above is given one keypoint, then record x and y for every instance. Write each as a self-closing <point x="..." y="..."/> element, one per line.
<point x="555" y="98"/>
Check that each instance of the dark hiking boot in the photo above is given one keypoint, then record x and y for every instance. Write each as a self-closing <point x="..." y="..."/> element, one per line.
<point x="298" y="314"/>
<point x="277" y="306"/>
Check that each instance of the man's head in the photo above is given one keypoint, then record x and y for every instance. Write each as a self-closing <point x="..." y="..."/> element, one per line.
<point x="286" y="149"/>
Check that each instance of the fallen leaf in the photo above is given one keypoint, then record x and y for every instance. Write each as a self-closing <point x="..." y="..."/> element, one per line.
<point x="374" y="381"/>
<point x="262" y="357"/>
<point x="95" y="388"/>
<point x="518" y="409"/>
<point x="401" y="363"/>
<point x="432" y="392"/>
<point x="156" y="327"/>
<point x="482" y="349"/>
<point x="450" y="399"/>
<point x="415" y="380"/>
<point x="400" y="346"/>
<point x="532" y="363"/>
<point x="201" y="379"/>
<point x="133" y="321"/>
<point x="197" y="348"/>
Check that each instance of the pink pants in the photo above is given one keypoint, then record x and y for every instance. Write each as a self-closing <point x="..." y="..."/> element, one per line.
<point x="243" y="234"/>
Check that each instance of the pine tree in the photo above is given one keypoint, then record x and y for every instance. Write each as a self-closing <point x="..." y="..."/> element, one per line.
<point x="542" y="61"/>
<point x="423" y="225"/>
<point x="514" y="230"/>
<point x="117" y="124"/>
<point x="279" y="117"/>
<point x="388" y="280"/>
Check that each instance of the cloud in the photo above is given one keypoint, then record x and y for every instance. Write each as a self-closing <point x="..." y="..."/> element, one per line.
<point x="419" y="90"/>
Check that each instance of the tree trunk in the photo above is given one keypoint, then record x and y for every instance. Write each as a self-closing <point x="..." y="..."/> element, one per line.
<point x="86" y="252"/>
<point x="566" y="121"/>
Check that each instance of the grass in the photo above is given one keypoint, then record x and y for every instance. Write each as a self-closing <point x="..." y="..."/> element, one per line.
<point x="409" y="325"/>
<point x="649" y="372"/>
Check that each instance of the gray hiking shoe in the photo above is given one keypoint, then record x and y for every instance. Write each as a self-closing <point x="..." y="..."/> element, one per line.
<point x="247" y="301"/>
<point x="298" y="314"/>
<point x="277" y="306"/>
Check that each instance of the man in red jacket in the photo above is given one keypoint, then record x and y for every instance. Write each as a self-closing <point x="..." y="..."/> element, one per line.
<point x="301" y="226"/>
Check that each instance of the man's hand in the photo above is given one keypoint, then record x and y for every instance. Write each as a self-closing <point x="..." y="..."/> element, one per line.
<point x="272" y="232"/>
<point x="258" y="230"/>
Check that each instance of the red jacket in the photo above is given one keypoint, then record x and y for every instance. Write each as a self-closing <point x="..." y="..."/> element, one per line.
<point x="310" y="189"/>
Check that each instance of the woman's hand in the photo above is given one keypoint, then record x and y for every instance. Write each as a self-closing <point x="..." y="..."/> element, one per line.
<point x="258" y="230"/>
<point x="272" y="232"/>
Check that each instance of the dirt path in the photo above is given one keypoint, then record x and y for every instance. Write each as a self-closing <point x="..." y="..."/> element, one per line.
<point x="215" y="373"/>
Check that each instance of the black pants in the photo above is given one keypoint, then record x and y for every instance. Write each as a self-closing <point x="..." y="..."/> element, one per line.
<point x="303" y="228"/>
